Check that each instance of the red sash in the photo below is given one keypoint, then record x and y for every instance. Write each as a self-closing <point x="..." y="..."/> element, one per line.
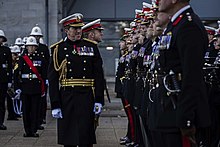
<point x="34" y="69"/>
<point x="186" y="142"/>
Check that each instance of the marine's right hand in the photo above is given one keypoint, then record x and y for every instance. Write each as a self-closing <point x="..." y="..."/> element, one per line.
<point x="57" y="113"/>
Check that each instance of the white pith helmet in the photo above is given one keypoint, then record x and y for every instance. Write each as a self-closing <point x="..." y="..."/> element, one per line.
<point x="31" y="41"/>
<point x="24" y="39"/>
<point x="2" y="34"/>
<point x="36" y="31"/>
<point x="19" y="41"/>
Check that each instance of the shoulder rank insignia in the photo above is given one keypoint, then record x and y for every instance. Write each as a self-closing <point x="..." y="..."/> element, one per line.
<point x="52" y="46"/>
<point x="189" y="16"/>
<point x="16" y="66"/>
<point x="177" y="20"/>
<point x="94" y="42"/>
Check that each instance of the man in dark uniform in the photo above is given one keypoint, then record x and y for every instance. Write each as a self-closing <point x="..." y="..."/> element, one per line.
<point x="212" y="78"/>
<point x="44" y="52"/>
<point x="29" y="84"/>
<point x="179" y="108"/>
<point x="119" y="88"/>
<point x="76" y="86"/>
<point x="92" y="32"/>
<point x="211" y="52"/>
<point x="11" y="105"/>
<point x="5" y="76"/>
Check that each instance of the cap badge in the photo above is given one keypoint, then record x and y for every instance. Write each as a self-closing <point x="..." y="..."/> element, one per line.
<point x="78" y="19"/>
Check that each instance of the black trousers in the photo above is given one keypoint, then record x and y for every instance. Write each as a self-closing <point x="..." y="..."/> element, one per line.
<point x="3" y="94"/>
<point x="10" y="108"/>
<point x="215" y="127"/>
<point x="43" y="107"/>
<point x="165" y="139"/>
<point x="30" y="112"/>
<point x="131" y="119"/>
<point x="175" y="139"/>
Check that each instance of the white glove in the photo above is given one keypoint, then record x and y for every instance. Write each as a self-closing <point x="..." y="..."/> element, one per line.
<point x="97" y="108"/>
<point x="47" y="82"/>
<point x="18" y="91"/>
<point x="9" y="85"/>
<point x="56" y="113"/>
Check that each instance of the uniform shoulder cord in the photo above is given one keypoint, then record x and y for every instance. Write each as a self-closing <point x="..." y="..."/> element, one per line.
<point x="62" y="67"/>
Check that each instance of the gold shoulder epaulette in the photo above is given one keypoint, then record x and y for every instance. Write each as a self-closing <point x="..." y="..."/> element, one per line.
<point x="94" y="42"/>
<point x="52" y="46"/>
<point x="16" y="66"/>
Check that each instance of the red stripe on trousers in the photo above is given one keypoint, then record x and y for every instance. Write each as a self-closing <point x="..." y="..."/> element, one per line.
<point x="130" y="119"/>
<point x="186" y="142"/>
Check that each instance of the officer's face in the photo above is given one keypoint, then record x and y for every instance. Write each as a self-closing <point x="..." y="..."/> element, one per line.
<point x="143" y="29"/>
<point x="122" y="44"/>
<point x="141" y="39"/>
<point x="74" y="33"/>
<point x="31" y="48"/>
<point x="210" y="36"/>
<point x="98" y="35"/>
<point x="1" y="40"/>
<point x="162" y="19"/>
<point x="150" y="31"/>
<point x="160" y="23"/>
<point x="166" y="5"/>
<point x="217" y="43"/>
<point x="135" y="37"/>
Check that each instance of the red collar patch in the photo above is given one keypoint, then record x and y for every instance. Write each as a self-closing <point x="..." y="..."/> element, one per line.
<point x="177" y="20"/>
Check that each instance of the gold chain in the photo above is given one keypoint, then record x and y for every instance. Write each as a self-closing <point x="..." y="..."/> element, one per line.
<point x="62" y="67"/>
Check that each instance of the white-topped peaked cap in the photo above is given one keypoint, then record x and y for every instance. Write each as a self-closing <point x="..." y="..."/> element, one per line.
<point x="138" y="12"/>
<point x="36" y="31"/>
<point x="155" y="4"/>
<point x="138" y="15"/>
<point x="31" y="41"/>
<point x="74" y="20"/>
<point x="133" y="24"/>
<point x="210" y="30"/>
<point x="218" y="30"/>
<point x="2" y="34"/>
<point x="127" y="30"/>
<point x="146" y="5"/>
<point x="96" y="24"/>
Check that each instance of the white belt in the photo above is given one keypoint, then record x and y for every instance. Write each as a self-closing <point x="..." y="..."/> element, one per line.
<point x="28" y="76"/>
